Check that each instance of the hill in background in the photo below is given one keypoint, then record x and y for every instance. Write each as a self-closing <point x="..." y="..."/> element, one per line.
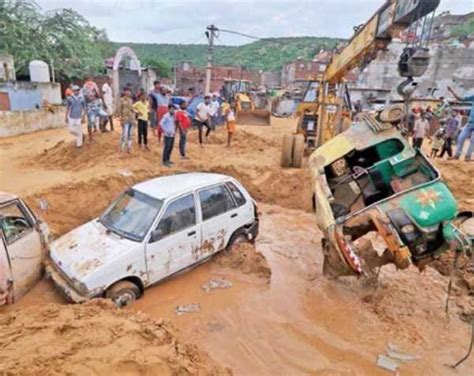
<point x="265" y="54"/>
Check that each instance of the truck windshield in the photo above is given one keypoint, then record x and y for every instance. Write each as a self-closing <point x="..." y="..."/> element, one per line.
<point x="131" y="215"/>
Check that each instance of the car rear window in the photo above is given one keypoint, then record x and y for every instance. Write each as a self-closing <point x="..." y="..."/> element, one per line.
<point x="237" y="194"/>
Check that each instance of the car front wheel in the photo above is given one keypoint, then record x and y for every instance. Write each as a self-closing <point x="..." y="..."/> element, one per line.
<point x="123" y="293"/>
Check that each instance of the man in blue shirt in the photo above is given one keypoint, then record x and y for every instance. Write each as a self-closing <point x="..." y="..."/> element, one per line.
<point x="75" y="114"/>
<point x="468" y="131"/>
<point x="168" y="127"/>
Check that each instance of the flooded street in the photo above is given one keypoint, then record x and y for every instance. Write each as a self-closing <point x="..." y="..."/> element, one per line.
<point x="295" y="322"/>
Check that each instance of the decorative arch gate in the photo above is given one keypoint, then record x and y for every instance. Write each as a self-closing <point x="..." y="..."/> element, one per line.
<point x="121" y="53"/>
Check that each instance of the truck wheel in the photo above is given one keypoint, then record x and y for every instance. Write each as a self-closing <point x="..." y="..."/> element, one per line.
<point x="287" y="150"/>
<point x="298" y="150"/>
<point x="123" y="293"/>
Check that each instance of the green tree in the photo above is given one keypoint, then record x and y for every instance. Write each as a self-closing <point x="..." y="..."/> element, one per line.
<point x="62" y="37"/>
<point x="465" y="29"/>
<point x="161" y="68"/>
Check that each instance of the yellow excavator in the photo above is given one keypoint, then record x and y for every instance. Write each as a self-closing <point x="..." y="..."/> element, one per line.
<point x="325" y="109"/>
<point x="248" y="112"/>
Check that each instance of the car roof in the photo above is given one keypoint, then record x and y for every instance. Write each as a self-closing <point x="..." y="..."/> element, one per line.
<point x="165" y="187"/>
<point x="4" y="197"/>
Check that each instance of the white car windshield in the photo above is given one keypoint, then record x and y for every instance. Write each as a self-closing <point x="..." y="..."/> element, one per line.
<point x="131" y="215"/>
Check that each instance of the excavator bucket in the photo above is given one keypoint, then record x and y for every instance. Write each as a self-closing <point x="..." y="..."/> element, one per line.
<point x="253" y="117"/>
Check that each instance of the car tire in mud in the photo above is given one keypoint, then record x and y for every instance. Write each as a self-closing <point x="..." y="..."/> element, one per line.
<point x="123" y="293"/>
<point x="298" y="150"/>
<point x="238" y="237"/>
<point x="287" y="151"/>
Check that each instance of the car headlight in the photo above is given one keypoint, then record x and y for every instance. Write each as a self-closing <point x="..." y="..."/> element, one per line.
<point x="407" y="229"/>
<point x="81" y="287"/>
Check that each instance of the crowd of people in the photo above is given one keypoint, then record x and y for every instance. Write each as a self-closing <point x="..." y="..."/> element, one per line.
<point x="443" y="127"/>
<point x="153" y="113"/>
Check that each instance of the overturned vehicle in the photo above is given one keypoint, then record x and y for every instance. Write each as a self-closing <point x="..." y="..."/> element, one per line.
<point x="369" y="179"/>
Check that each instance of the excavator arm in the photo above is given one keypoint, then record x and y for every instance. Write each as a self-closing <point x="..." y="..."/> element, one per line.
<point x="388" y="21"/>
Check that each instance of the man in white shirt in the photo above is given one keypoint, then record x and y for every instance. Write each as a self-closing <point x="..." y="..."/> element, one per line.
<point x="215" y="109"/>
<point x="109" y="103"/>
<point x="203" y="117"/>
<point x="420" y="131"/>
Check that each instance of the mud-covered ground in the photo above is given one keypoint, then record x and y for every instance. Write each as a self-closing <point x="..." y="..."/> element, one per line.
<point x="280" y="315"/>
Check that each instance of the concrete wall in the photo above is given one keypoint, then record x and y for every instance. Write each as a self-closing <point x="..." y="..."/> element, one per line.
<point x="25" y="95"/>
<point x="13" y="123"/>
<point x="449" y="66"/>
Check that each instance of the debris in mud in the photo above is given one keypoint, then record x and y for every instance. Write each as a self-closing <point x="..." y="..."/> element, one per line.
<point x="187" y="308"/>
<point x="214" y="284"/>
<point x="125" y="173"/>
<point x="245" y="258"/>
<point x="387" y="363"/>
<point x="394" y="353"/>
<point x="43" y="204"/>
<point x="95" y="338"/>
<point x="392" y="360"/>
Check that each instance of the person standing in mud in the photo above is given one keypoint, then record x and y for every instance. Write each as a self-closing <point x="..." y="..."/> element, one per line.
<point x="230" y="122"/>
<point x="141" y="108"/>
<point x="467" y="131"/>
<point x="94" y="103"/>
<point x="450" y="131"/>
<point x="126" y="113"/>
<point x="159" y="96"/>
<point x="203" y="117"/>
<point x="168" y="126"/>
<point x="75" y="114"/>
<point x="183" y="123"/>
<point x="420" y="130"/>
<point x="109" y="104"/>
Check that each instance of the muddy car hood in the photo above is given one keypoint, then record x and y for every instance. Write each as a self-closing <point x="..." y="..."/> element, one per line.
<point x="87" y="249"/>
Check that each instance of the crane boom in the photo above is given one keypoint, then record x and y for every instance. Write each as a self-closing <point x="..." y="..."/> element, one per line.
<point x="388" y="21"/>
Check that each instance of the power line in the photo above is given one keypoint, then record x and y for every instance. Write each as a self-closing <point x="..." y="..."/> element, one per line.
<point x="242" y="34"/>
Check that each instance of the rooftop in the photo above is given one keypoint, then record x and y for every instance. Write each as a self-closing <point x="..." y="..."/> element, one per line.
<point x="165" y="187"/>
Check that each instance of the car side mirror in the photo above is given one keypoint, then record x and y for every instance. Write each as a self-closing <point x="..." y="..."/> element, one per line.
<point x="156" y="235"/>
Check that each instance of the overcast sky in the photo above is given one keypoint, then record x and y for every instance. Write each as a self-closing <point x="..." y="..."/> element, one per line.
<point x="184" y="21"/>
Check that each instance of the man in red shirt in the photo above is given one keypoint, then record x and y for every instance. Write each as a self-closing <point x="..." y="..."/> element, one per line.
<point x="183" y="123"/>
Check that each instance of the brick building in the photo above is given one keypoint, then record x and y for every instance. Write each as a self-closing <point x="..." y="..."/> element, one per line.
<point x="188" y="76"/>
<point x="299" y="70"/>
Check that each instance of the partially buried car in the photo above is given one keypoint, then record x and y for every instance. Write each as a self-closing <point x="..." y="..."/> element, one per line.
<point x="369" y="179"/>
<point x="151" y="231"/>
<point x="23" y="244"/>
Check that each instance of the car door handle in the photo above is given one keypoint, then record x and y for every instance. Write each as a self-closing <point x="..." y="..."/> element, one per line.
<point x="191" y="233"/>
<point x="234" y="215"/>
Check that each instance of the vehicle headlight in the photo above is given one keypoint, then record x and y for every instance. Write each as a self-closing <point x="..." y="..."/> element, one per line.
<point x="407" y="229"/>
<point x="81" y="287"/>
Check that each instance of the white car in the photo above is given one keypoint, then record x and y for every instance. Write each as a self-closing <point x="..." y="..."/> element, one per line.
<point x="150" y="232"/>
<point x="23" y="239"/>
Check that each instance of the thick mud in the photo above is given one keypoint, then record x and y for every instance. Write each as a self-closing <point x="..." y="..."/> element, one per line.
<point x="95" y="339"/>
<point x="244" y="258"/>
<point x="280" y="315"/>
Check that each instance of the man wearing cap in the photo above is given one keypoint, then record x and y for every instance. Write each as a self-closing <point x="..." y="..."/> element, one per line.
<point x="75" y="114"/>
<point x="467" y="132"/>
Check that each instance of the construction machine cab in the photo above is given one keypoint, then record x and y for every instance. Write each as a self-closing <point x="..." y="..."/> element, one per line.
<point x="238" y="94"/>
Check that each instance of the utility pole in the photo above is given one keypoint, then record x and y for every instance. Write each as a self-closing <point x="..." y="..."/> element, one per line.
<point x="210" y="33"/>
